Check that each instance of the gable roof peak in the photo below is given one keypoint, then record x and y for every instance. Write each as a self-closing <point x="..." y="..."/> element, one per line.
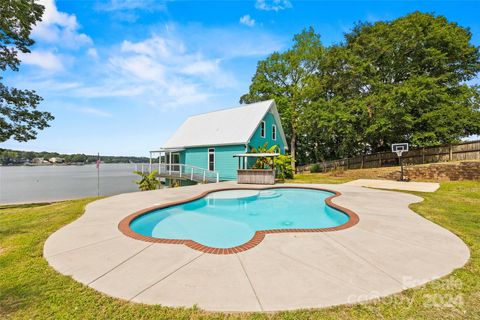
<point x="221" y="127"/>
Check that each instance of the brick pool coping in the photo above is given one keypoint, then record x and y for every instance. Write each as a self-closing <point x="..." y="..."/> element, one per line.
<point x="124" y="225"/>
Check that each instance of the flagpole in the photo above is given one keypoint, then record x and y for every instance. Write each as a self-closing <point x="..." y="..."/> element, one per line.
<point x="98" y="174"/>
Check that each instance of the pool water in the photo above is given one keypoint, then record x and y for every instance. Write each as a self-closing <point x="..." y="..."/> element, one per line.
<point x="226" y="219"/>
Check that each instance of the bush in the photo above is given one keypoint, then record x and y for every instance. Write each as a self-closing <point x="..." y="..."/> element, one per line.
<point x="283" y="166"/>
<point x="283" y="162"/>
<point x="148" y="181"/>
<point x="315" y="168"/>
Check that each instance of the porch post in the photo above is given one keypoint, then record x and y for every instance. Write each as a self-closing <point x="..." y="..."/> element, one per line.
<point x="150" y="164"/>
<point x="170" y="163"/>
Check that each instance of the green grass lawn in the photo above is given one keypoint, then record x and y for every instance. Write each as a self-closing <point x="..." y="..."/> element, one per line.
<point x="30" y="289"/>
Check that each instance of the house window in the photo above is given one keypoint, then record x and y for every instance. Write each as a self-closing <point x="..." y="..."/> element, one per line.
<point x="274" y="132"/>
<point x="262" y="129"/>
<point x="211" y="159"/>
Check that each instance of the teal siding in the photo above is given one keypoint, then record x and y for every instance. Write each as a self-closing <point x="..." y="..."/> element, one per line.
<point x="195" y="157"/>
<point x="225" y="163"/>
<point x="258" y="141"/>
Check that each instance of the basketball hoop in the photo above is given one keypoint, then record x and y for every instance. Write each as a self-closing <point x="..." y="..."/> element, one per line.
<point x="399" y="149"/>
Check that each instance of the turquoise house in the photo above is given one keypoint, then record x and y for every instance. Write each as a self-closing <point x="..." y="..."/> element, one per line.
<point x="204" y="146"/>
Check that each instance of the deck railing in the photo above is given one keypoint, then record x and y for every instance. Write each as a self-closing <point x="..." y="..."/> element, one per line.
<point x="184" y="171"/>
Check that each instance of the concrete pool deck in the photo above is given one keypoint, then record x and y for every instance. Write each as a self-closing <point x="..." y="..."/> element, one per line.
<point x="389" y="250"/>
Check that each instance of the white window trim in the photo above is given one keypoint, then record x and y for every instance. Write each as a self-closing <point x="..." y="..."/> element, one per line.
<point x="274" y="132"/>
<point x="264" y="126"/>
<point x="208" y="158"/>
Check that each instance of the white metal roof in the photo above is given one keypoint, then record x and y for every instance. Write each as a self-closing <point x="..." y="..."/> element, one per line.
<point x="223" y="127"/>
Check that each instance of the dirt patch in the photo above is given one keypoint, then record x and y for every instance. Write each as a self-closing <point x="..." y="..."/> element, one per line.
<point x="465" y="170"/>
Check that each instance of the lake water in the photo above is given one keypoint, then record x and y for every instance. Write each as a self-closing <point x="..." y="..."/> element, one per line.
<point x="49" y="183"/>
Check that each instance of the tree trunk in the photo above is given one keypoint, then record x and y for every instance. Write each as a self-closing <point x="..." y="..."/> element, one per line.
<point x="293" y="144"/>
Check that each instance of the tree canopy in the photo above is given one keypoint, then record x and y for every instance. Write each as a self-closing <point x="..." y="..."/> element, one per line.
<point x="285" y="78"/>
<point x="19" y="117"/>
<point x="405" y="80"/>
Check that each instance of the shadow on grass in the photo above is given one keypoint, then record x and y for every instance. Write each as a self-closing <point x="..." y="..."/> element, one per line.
<point x="25" y="206"/>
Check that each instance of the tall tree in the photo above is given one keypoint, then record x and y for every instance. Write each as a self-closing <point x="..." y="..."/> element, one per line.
<point x="284" y="77"/>
<point x="406" y="81"/>
<point x="19" y="117"/>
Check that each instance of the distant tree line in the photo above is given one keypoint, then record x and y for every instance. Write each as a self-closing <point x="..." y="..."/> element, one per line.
<point x="16" y="157"/>
<point x="406" y="80"/>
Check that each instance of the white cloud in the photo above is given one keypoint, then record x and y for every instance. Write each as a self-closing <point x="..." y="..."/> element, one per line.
<point x="92" y="53"/>
<point x="164" y="68"/>
<point x="129" y="10"/>
<point x="140" y="67"/>
<point x="95" y="112"/>
<point x="155" y="47"/>
<point x="119" y="5"/>
<point x="236" y="42"/>
<point x="59" y="28"/>
<point x="202" y="67"/>
<point x="247" y="20"/>
<point x="43" y="59"/>
<point x="273" y="5"/>
<point x="174" y="67"/>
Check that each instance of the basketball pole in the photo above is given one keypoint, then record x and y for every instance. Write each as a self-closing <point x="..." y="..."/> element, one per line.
<point x="401" y="167"/>
<point x="399" y="149"/>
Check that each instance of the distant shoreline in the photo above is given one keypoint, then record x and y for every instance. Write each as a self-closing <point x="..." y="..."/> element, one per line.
<point x="65" y="164"/>
<point x="9" y="157"/>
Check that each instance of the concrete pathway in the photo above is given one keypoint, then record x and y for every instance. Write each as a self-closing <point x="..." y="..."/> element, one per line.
<point x="389" y="250"/>
<point x="396" y="185"/>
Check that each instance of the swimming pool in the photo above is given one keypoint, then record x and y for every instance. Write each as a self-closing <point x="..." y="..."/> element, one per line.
<point x="232" y="218"/>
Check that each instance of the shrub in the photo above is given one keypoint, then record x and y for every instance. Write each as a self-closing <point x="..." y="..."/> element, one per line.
<point x="283" y="166"/>
<point x="315" y="168"/>
<point x="148" y="181"/>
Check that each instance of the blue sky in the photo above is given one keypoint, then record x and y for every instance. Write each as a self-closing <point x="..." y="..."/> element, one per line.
<point x="120" y="76"/>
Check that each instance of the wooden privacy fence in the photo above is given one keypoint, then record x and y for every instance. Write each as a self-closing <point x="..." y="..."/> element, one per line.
<point x="453" y="152"/>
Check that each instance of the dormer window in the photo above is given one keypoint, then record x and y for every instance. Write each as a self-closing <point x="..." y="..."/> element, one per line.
<point x="274" y="132"/>
<point x="262" y="129"/>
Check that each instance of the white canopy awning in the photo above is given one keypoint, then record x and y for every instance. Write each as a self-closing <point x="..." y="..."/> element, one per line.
<point x="256" y="155"/>
<point x="167" y="150"/>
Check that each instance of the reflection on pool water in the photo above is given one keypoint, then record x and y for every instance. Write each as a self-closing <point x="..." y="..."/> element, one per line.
<point x="226" y="219"/>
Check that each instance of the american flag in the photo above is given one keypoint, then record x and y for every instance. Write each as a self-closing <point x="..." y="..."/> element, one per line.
<point x="98" y="163"/>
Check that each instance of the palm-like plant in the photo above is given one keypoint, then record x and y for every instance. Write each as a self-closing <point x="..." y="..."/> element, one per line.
<point x="264" y="162"/>
<point x="148" y="181"/>
<point x="283" y="163"/>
